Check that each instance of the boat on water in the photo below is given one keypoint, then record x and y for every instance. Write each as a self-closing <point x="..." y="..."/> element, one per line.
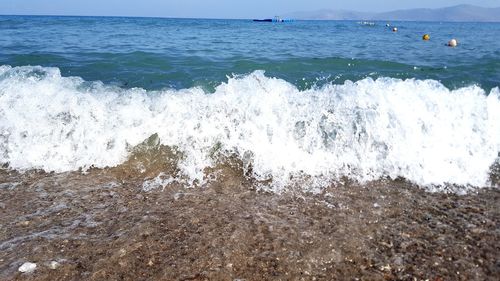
<point x="275" y="19"/>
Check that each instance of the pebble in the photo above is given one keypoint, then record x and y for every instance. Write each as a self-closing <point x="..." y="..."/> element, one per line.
<point x="54" y="265"/>
<point x="386" y="268"/>
<point x="398" y="261"/>
<point x="23" y="223"/>
<point x="27" y="267"/>
<point x="122" y="252"/>
<point x="178" y="195"/>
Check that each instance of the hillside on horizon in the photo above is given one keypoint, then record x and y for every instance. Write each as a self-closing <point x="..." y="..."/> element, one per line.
<point x="454" y="13"/>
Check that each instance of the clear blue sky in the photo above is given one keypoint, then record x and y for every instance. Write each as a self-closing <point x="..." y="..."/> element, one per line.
<point x="214" y="8"/>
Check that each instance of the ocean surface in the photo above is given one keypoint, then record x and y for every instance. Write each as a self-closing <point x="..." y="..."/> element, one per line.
<point x="306" y="103"/>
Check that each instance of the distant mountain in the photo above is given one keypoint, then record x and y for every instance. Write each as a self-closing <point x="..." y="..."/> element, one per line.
<point x="326" y="14"/>
<point x="455" y="13"/>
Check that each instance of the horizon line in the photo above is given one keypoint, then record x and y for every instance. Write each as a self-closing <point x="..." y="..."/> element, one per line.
<point x="249" y="19"/>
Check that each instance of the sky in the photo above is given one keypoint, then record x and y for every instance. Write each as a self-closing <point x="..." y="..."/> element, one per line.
<point x="214" y="8"/>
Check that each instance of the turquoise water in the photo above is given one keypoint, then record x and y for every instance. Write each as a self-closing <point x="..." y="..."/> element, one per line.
<point x="155" y="53"/>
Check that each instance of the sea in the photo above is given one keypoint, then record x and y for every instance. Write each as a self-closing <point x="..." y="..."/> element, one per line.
<point x="302" y="104"/>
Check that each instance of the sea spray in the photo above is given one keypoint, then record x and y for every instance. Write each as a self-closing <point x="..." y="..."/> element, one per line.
<point x="364" y="130"/>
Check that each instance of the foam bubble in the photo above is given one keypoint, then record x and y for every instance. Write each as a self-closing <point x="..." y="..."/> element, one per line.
<point x="160" y="181"/>
<point x="365" y="130"/>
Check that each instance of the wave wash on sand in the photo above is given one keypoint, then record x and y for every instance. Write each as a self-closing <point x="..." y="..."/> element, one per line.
<point x="364" y="130"/>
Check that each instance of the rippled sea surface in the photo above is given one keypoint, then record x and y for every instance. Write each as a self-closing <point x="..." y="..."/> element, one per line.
<point x="154" y="53"/>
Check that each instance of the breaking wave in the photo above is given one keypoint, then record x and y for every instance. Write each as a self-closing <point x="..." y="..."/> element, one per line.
<point x="365" y="130"/>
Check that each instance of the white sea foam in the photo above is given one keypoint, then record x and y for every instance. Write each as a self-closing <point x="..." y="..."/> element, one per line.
<point x="160" y="181"/>
<point x="364" y="130"/>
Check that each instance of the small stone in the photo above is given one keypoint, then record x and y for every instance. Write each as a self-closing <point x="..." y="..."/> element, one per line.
<point x="27" y="267"/>
<point x="54" y="265"/>
<point x="178" y="195"/>
<point x="386" y="268"/>
<point x="477" y="230"/>
<point x="2" y="205"/>
<point x="23" y="223"/>
<point x="122" y="252"/>
<point x="398" y="261"/>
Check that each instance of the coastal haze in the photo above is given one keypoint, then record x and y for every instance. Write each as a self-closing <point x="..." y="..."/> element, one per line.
<point x="460" y="13"/>
<point x="339" y="9"/>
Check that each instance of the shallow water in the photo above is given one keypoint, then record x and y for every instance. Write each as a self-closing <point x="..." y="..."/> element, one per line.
<point x="103" y="225"/>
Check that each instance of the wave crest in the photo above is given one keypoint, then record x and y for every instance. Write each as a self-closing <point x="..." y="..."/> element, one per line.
<point x="364" y="130"/>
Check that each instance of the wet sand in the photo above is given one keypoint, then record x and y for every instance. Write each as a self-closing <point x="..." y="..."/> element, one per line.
<point x="103" y="226"/>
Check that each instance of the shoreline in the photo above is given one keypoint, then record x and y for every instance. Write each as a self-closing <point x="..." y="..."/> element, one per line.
<point x="98" y="229"/>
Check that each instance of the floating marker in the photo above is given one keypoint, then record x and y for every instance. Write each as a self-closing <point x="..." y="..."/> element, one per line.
<point x="395" y="29"/>
<point x="453" y="43"/>
<point x="426" y="37"/>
